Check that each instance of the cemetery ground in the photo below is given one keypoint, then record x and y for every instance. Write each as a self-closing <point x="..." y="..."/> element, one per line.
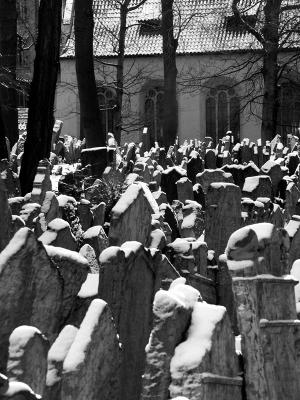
<point x="141" y="273"/>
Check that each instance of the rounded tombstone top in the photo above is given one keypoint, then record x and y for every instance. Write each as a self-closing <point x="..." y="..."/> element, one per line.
<point x="242" y="245"/>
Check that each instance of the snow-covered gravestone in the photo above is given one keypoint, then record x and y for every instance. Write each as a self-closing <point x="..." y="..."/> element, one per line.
<point x="50" y="206"/>
<point x="91" y="366"/>
<point x="184" y="189"/>
<point x="5" y="217"/>
<point x="131" y="216"/>
<point x="172" y="311"/>
<point x="204" y="365"/>
<point x="223" y="214"/>
<point x="292" y="195"/>
<point x="27" y="360"/>
<point x="209" y="176"/>
<point x="73" y="269"/>
<point x="193" y="220"/>
<point x="293" y="231"/>
<point x="59" y="234"/>
<point x="129" y="277"/>
<point x="19" y="391"/>
<point x="168" y="181"/>
<point x="31" y="289"/>
<point x="56" y="357"/>
<point x="266" y="311"/>
<point x="96" y="238"/>
<point x="258" y="186"/>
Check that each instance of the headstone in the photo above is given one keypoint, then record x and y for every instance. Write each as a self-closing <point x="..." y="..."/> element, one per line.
<point x="27" y="360"/>
<point x="59" y="234"/>
<point x="93" y="358"/>
<point x="223" y="214"/>
<point x="184" y="190"/>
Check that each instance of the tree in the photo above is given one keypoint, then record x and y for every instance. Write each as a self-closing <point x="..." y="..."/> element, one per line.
<point x="8" y="51"/>
<point x="274" y="33"/>
<point x="42" y="92"/>
<point x="89" y="111"/>
<point x="170" y="112"/>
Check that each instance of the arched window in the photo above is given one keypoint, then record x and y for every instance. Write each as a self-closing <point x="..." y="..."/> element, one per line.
<point x="289" y="109"/>
<point x="107" y="104"/>
<point x="154" y="113"/>
<point x="222" y="112"/>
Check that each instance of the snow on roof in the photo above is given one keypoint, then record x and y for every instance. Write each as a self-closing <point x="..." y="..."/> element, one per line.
<point x="188" y="354"/>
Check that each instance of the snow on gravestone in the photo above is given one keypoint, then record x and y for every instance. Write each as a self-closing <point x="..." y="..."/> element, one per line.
<point x="59" y="234"/>
<point x="254" y="256"/>
<point x="131" y="216"/>
<point x="293" y="231"/>
<point x="168" y="181"/>
<point x="50" y="206"/>
<point x="223" y="214"/>
<point x="193" y="220"/>
<point x="5" y="216"/>
<point x="172" y="311"/>
<point x="73" y="270"/>
<point x="204" y="365"/>
<point x="91" y="367"/>
<point x="258" y="186"/>
<point x="209" y="176"/>
<point x="129" y="276"/>
<point x="56" y="358"/>
<point x="31" y="289"/>
<point x="89" y="254"/>
<point x="96" y="238"/>
<point x="19" y="391"/>
<point x="27" y="360"/>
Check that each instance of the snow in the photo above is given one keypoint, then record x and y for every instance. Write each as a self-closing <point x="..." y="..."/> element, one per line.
<point x="129" y="197"/>
<point x="189" y="354"/>
<point x="57" y="224"/>
<point x="58" y="352"/>
<point x="108" y="254"/>
<point x="64" y="199"/>
<point x="178" y="293"/>
<point x="61" y="253"/>
<point x="21" y="335"/>
<point x="292" y="227"/>
<point x="131" y="247"/>
<point x="89" y="288"/>
<point x="93" y="232"/>
<point x="14" y="246"/>
<point x="76" y="355"/>
<point x="19" y="387"/>
<point x="238" y="344"/>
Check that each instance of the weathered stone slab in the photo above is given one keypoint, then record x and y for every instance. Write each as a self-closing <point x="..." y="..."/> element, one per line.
<point x="184" y="190"/>
<point x="29" y="212"/>
<point x="91" y="367"/>
<point x="212" y="351"/>
<point x="223" y="214"/>
<point x="168" y="181"/>
<point x="30" y="289"/>
<point x="42" y="182"/>
<point x="50" y="206"/>
<point x="209" y="176"/>
<point x="171" y="319"/>
<point x="89" y="254"/>
<point x="258" y="186"/>
<point x="96" y="238"/>
<point x="126" y="222"/>
<point x="73" y="269"/>
<point x="27" y="360"/>
<point x="59" y="234"/>
<point x="56" y="357"/>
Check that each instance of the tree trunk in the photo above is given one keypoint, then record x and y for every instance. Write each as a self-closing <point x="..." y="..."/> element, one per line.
<point x="120" y="72"/>
<point x="270" y="69"/>
<point x="8" y="51"/>
<point x="42" y="92"/>
<point x="170" y="112"/>
<point x="89" y="108"/>
<point x="3" y="148"/>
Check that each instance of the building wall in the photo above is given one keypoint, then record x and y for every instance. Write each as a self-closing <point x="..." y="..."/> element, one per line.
<point x="191" y="97"/>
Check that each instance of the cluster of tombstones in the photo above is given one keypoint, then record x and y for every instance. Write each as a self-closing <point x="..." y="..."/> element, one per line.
<point x="169" y="275"/>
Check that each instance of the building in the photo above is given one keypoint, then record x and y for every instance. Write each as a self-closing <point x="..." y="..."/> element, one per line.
<point x="213" y="55"/>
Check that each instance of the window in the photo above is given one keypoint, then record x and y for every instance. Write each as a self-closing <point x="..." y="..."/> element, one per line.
<point x="289" y="109"/>
<point x="222" y="112"/>
<point x="154" y="113"/>
<point x="107" y="104"/>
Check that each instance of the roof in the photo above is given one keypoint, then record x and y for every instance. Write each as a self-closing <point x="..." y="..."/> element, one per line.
<point x="204" y="26"/>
